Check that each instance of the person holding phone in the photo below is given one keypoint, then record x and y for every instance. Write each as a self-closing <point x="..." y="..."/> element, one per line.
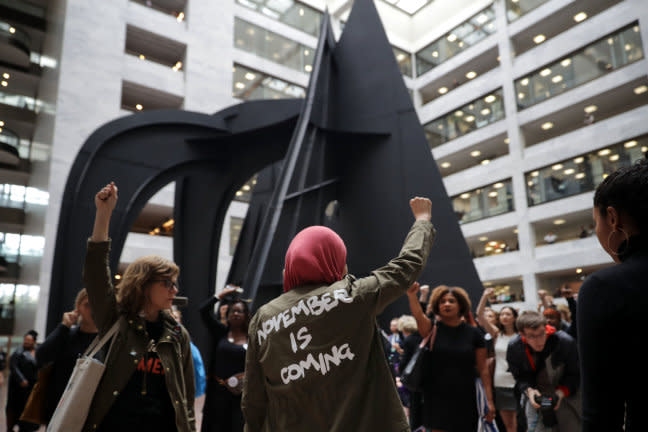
<point x="63" y="347"/>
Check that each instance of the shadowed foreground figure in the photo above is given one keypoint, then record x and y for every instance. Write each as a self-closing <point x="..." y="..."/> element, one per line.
<point x="315" y="360"/>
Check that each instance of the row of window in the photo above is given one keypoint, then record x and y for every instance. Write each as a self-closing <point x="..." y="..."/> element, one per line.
<point x="562" y="179"/>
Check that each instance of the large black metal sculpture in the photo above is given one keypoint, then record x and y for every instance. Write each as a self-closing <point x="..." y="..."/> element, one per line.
<point x="349" y="156"/>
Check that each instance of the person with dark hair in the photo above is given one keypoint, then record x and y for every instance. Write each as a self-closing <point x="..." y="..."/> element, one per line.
<point x="612" y="305"/>
<point x="544" y="362"/>
<point x="501" y="332"/>
<point x="315" y="360"/>
<point x="412" y="338"/>
<point x="226" y="371"/>
<point x="148" y="382"/>
<point x="457" y="356"/>
<point x="23" y="373"/>
<point x="63" y="347"/>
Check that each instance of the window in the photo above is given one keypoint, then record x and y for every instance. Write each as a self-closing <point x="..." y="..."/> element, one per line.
<point x="249" y="84"/>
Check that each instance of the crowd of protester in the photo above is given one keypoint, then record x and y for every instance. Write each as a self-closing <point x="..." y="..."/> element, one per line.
<point x="313" y="359"/>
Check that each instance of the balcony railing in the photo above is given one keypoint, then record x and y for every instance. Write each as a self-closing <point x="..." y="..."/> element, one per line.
<point x="517" y="8"/>
<point x="487" y="201"/>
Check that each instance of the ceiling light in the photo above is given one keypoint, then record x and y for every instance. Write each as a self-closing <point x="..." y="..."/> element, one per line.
<point x="485" y="162"/>
<point x="452" y="37"/>
<point x="580" y="176"/>
<point x="239" y="85"/>
<point x="545" y="72"/>
<point x="12" y="30"/>
<point x="471" y="74"/>
<point x="539" y="39"/>
<point x="139" y="107"/>
<point x="520" y="95"/>
<point x="581" y="16"/>
<point x="559" y="221"/>
<point x="464" y="196"/>
<point x="239" y="193"/>
<point x="579" y="270"/>
<point x="614" y="157"/>
<point x="644" y="149"/>
<point x="445" y="165"/>
<point x="498" y="185"/>
<point x="579" y="160"/>
<point x="507" y="140"/>
<point x="443" y="90"/>
<point x="301" y="11"/>
<point x="556" y="79"/>
<point x="459" y="113"/>
<point x="483" y="238"/>
<point x="142" y="57"/>
<point x="604" y="152"/>
<point x="306" y="52"/>
<point x="246" y="187"/>
<point x="4" y="83"/>
<point x="525" y="81"/>
<point x="493" y="194"/>
<point x="630" y="144"/>
<point x="5" y="75"/>
<point x="485" y="112"/>
<point x="488" y="248"/>
<point x="118" y="276"/>
<point x="547" y="126"/>
<point x="535" y="173"/>
<point x="435" y="54"/>
<point x="475" y="153"/>
<point x="590" y="109"/>
<point x="490" y="99"/>
<point x="180" y="17"/>
<point x="530" y="183"/>
<point x="569" y="171"/>
<point x="565" y="62"/>
<point x="1" y="123"/>
<point x="308" y="68"/>
<point x="557" y="167"/>
<point x="515" y="231"/>
<point x="470" y="119"/>
<point x="641" y="89"/>
<point x="250" y="76"/>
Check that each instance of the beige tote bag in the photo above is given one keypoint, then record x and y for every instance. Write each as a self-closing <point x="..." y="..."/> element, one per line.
<point x="72" y="410"/>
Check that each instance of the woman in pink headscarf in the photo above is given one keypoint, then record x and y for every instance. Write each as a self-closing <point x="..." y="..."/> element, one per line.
<point x="315" y="360"/>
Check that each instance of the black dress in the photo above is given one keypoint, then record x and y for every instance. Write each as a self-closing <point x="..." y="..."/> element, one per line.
<point x="449" y="396"/>
<point x="222" y="409"/>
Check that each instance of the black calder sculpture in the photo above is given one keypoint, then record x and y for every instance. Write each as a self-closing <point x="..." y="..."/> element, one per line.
<point x="348" y="156"/>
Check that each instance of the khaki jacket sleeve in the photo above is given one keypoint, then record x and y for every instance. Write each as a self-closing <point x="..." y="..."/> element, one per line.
<point x="189" y="382"/>
<point x="98" y="282"/>
<point x="255" y="399"/>
<point x="388" y="283"/>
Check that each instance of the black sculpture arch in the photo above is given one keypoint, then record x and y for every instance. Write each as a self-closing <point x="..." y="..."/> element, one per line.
<point x="354" y="140"/>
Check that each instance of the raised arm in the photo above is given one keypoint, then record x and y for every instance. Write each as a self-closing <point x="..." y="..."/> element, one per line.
<point x="96" y="272"/>
<point x="389" y="282"/>
<point x="481" y="313"/>
<point x="213" y="323"/>
<point x="423" y="323"/>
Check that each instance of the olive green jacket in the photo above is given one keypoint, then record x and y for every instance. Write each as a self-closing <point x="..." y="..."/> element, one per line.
<point x="130" y="344"/>
<point x="315" y="360"/>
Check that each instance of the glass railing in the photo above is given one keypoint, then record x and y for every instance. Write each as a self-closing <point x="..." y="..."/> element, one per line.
<point x="176" y="11"/>
<point x="582" y="173"/>
<point x="506" y="292"/>
<point x="9" y="137"/>
<point x="487" y="201"/>
<point x="19" y="101"/>
<point x="13" y="245"/>
<point x="516" y="8"/>
<point x="476" y="29"/>
<point x="597" y="59"/>
<point x="272" y="46"/>
<point x="25" y="7"/>
<point x="290" y="12"/>
<point x="236" y="225"/>
<point x="404" y="60"/>
<point x="470" y="117"/>
<point x="248" y="84"/>
<point x="20" y="35"/>
<point x="16" y="196"/>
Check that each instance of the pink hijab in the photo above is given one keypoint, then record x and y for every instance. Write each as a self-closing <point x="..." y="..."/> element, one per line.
<point x="316" y="255"/>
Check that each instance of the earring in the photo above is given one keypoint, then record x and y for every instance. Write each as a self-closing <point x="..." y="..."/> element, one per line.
<point x="627" y="242"/>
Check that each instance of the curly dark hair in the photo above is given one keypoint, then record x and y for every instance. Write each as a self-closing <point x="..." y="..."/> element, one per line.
<point x="626" y="190"/>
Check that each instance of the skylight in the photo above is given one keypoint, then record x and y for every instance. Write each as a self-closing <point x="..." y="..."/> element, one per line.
<point x="409" y="6"/>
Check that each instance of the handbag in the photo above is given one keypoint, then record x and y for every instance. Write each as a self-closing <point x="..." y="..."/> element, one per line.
<point x="482" y="409"/>
<point x="73" y="407"/>
<point x="34" y="411"/>
<point x="234" y="383"/>
<point x="412" y="376"/>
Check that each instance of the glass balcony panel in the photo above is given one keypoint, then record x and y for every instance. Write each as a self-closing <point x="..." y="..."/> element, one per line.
<point x="249" y="84"/>
<point x="517" y="8"/>
<point x="491" y="200"/>
<point x="295" y="14"/>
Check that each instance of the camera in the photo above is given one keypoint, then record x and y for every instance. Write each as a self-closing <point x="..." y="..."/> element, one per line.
<point x="547" y="404"/>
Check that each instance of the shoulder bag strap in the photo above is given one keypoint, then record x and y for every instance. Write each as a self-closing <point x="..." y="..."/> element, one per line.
<point x="98" y="343"/>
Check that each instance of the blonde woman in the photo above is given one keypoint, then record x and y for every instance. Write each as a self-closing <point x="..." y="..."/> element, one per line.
<point x="149" y="378"/>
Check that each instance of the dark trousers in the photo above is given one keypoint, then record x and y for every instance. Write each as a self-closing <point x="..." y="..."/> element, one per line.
<point x="222" y="410"/>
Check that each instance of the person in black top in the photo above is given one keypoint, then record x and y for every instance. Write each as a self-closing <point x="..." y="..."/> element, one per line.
<point x="222" y="409"/>
<point x="612" y="305"/>
<point x="407" y="324"/>
<point x="63" y="347"/>
<point x="23" y="373"/>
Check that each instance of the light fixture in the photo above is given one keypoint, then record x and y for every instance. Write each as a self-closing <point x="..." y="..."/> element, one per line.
<point x="301" y="11"/>
<point x="630" y="144"/>
<point x="579" y="160"/>
<point x="488" y="249"/>
<point x="644" y="149"/>
<point x="308" y="68"/>
<point x="12" y="30"/>
<point x="490" y="99"/>
<point x="520" y="95"/>
<point x="483" y="238"/>
<point x="590" y="109"/>
<point x="464" y="195"/>
<point x="498" y="185"/>
<point x="4" y="83"/>
<point x="535" y="173"/>
<point x="180" y="17"/>
<point x="470" y="119"/>
<point x="239" y="85"/>
<point x="435" y="54"/>
<point x="559" y="221"/>
<point x="569" y="171"/>
<point x="475" y="153"/>
<point x="604" y="152"/>
<point x="443" y="90"/>
<point x="539" y="39"/>
<point x="547" y="126"/>
<point x="580" y="176"/>
<point x="507" y="140"/>
<point x="614" y="157"/>
<point x="485" y="162"/>
<point x="557" y="167"/>
<point x="565" y="62"/>
<point x="118" y="276"/>
<point x="515" y="231"/>
<point x="246" y="188"/>
<point x="556" y="79"/>
<point x="492" y="243"/>
<point x="5" y="75"/>
<point x="545" y="72"/>
<point x="471" y="74"/>
<point x="306" y="52"/>
<point x="139" y="107"/>
<point x="250" y="76"/>
<point x="580" y="16"/>
<point x="640" y="90"/>
<point x="177" y="66"/>
<point x="525" y="82"/>
<point x="2" y="123"/>
<point x="485" y="112"/>
<point x="459" y="113"/>
<point x="579" y="270"/>
<point x="452" y="37"/>
<point x="445" y="165"/>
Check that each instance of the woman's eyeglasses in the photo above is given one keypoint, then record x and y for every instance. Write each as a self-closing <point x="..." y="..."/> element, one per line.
<point x="168" y="283"/>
